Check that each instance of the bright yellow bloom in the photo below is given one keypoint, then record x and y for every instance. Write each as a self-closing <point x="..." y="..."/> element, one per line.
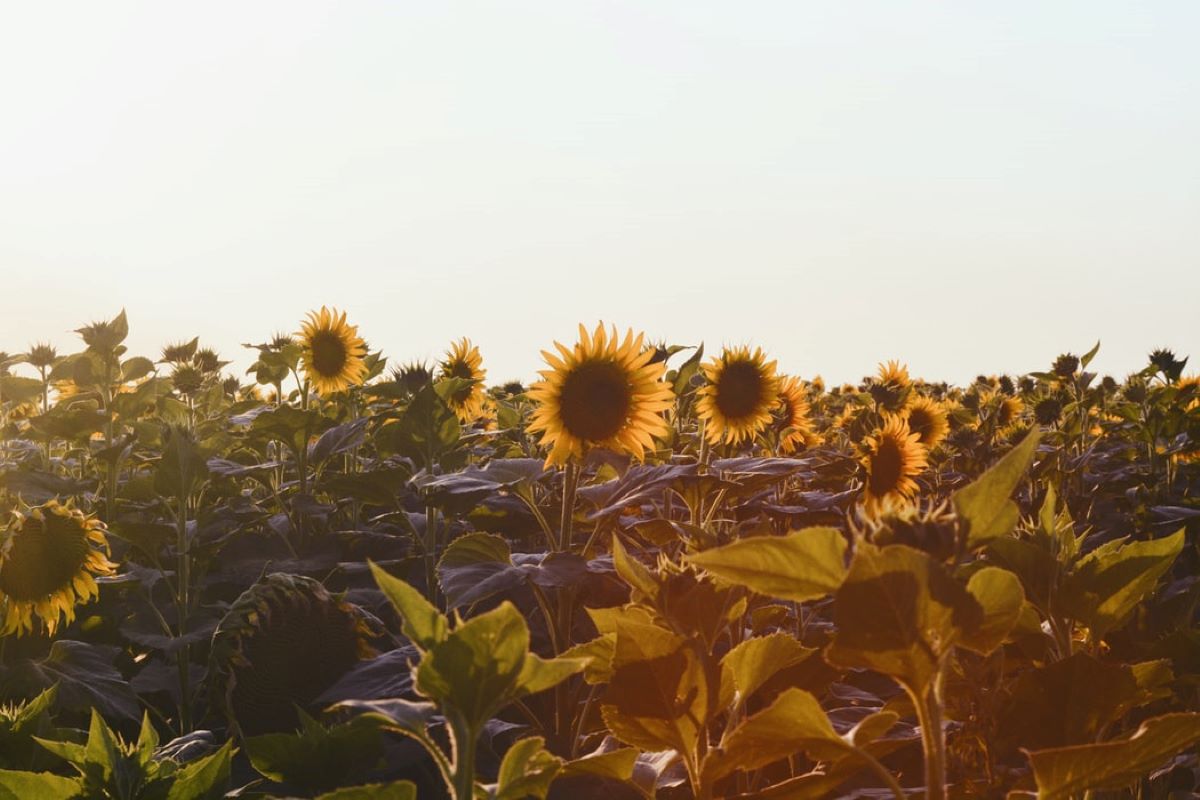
<point x="48" y="560"/>
<point x="928" y="419"/>
<point x="332" y="352"/>
<point x="604" y="392"/>
<point x="894" y="455"/>
<point x="736" y="402"/>
<point x="464" y="362"/>
<point x="795" y="409"/>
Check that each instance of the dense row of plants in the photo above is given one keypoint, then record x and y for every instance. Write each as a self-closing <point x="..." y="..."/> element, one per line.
<point x="653" y="573"/>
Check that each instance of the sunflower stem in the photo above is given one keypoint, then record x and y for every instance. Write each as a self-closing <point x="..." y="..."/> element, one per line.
<point x="570" y="484"/>
<point x="183" y="655"/>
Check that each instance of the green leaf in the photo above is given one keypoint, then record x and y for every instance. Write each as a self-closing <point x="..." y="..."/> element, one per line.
<point x="527" y="770"/>
<point x="182" y="466"/>
<point x="1087" y="357"/>
<point x="539" y="674"/>
<point x="14" y="388"/>
<point x="753" y="662"/>
<point x="633" y="571"/>
<point x="598" y="655"/>
<point x="794" y="722"/>
<point x="401" y="790"/>
<point x="205" y="778"/>
<point x="476" y="566"/>
<point x="18" y="785"/>
<point x="477" y="668"/>
<point x="421" y="622"/>
<point x="615" y="764"/>
<point x="135" y="368"/>
<point x="658" y="704"/>
<point x="1109" y="582"/>
<point x="899" y="612"/>
<point x="984" y="505"/>
<point x="803" y="565"/>
<point x="316" y="758"/>
<point x="1066" y="771"/>
<point x="999" y="594"/>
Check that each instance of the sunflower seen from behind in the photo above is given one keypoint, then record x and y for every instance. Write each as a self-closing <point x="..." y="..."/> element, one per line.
<point x="736" y="400"/>
<point x="464" y="362"/>
<point x="50" y="556"/>
<point x="893" y="457"/>
<point x="604" y="392"/>
<point x="332" y="352"/>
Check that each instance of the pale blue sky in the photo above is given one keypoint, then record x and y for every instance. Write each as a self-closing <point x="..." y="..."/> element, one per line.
<point x="969" y="186"/>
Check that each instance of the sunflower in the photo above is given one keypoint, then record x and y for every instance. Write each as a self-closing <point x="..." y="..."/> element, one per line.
<point x="1008" y="412"/>
<point x="48" y="560"/>
<point x="332" y="352"/>
<point x="928" y="419"/>
<point x="794" y="408"/>
<point x="735" y="402"/>
<point x="602" y="393"/>
<point x="891" y="388"/>
<point x="894" y="455"/>
<point x="464" y="362"/>
<point x="893" y="372"/>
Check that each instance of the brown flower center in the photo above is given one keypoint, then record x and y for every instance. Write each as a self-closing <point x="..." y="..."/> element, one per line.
<point x="44" y="557"/>
<point x="595" y="401"/>
<point x="329" y="354"/>
<point x="739" y="390"/>
<point x="886" y="467"/>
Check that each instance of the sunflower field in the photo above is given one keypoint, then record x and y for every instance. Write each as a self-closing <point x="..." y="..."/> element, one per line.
<point x="657" y="572"/>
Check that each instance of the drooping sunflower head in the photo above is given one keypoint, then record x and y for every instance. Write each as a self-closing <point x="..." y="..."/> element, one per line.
<point x="1164" y="361"/>
<point x="49" y="557"/>
<point x="1066" y="365"/>
<point x="604" y="392"/>
<point x="740" y="389"/>
<point x="891" y="387"/>
<point x="187" y="379"/>
<point x="464" y="362"/>
<point x="282" y="643"/>
<point x="935" y="530"/>
<point x="208" y="360"/>
<point x="792" y="415"/>
<point x="929" y="420"/>
<point x="180" y="352"/>
<point x="894" y="456"/>
<point x="413" y="376"/>
<point x="333" y="353"/>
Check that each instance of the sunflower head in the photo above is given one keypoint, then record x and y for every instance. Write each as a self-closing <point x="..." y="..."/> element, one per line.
<point x="49" y="557"/>
<point x="932" y="529"/>
<point x="1048" y="410"/>
<point x="413" y="376"/>
<point x="41" y="356"/>
<point x="929" y="420"/>
<point x="891" y="387"/>
<point x="180" y="352"/>
<point x="282" y="643"/>
<point x="464" y="363"/>
<point x="739" y="391"/>
<point x="893" y="457"/>
<point x="792" y="417"/>
<point x="1165" y="362"/>
<point x="333" y="353"/>
<point x="207" y="360"/>
<point x="187" y="379"/>
<point x="1066" y="365"/>
<point x="604" y="392"/>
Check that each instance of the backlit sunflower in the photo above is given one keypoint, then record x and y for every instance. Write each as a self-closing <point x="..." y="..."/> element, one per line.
<point x="894" y="455"/>
<point x="48" y="559"/>
<point x="793" y="411"/>
<point x="604" y="392"/>
<point x="735" y="402"/>
<point x="1008" y="412"/>
<point x="928" y="419"/>
<point x="891" y="388"/>
<point x="464" y="362"/>
<point x="332" y="352"/>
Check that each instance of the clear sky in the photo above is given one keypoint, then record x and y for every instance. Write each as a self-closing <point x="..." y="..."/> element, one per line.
<point x="968" y="186"/>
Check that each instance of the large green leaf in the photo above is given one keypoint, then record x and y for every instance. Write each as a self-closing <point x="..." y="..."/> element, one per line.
<point x="316" y="758"/>
<point x="400" y="790"/>
<point x="182" y="466"/>
<point x="658" y="704"/>
<point x="753" y="662"/>
<point x="1109" y="583"/>
<point x="899" y="612"/>
<point x="999" y="594"/>
<point x="420" y="621"/>
<point x="803" y="565"/>
<point x="205" y="778"/>
<point x="1064" y="772"/>
<point x="985" y="505"/>
<point x="794" y="722"/>
<point x="526" y="771"/>
<point x="18" y="785"/>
